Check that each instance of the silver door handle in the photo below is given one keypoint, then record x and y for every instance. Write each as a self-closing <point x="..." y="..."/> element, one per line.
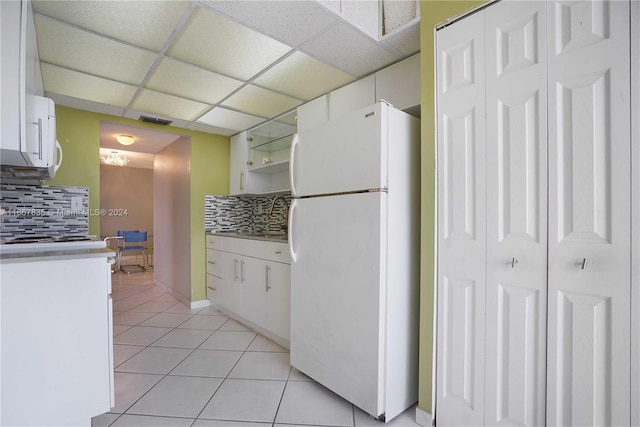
<point x="235" y="269"/>
<point x="242" y="271"/>
<point x="267" y="268"/>
<point x="241" y="176"/>
<point x="514" y="262"/>
<point x="583" y="266"/>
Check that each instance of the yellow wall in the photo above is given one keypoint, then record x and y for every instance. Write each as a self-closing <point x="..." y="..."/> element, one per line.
<point x="79" y="135"/>
<point x="431" y="14"/>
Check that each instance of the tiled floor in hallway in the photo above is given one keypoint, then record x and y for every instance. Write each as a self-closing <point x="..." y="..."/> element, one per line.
<point x="180" y="367"/>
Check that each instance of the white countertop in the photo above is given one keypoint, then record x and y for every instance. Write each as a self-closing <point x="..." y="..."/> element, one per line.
<point x="266" y="236"/>
<point x="55" y="254"/>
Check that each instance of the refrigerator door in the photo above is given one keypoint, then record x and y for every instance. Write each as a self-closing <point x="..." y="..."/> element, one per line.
<point x="338" y="294"/>
<point x="343" y="155"/>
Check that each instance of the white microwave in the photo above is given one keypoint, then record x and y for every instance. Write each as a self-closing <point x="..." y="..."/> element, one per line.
<point x="38" y="155"/>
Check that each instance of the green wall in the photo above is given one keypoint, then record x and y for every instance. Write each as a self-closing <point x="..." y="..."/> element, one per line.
<point x="432" y="13"/>
<point x="79" y="135"/>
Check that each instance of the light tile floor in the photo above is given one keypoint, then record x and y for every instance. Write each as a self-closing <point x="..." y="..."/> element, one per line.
<point x="180" y="367"/>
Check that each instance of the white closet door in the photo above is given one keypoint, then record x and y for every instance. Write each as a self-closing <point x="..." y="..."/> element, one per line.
<point x="589" y="214"/>
<point x="516" y="307"/>
<point x="462" y="219"/>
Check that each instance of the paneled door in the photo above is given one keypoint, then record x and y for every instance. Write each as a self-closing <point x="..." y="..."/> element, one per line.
<point x="589" y="214"/>
<point x="516" y="300"/>
<point x="461" y="224"/>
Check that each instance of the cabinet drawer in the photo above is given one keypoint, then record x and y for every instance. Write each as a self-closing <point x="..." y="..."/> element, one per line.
<point x="214" y="242"/>
<point x="247" y="247"/>
<point x="279" y="252"/>
<point x="213" y="283"/>
<point x="214" y="262"/>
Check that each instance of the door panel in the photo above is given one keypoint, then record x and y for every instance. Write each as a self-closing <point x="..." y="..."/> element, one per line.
<point x="589" y="214"/>
<point x="361" y="139"/>
<point x="337" y="294"/>
<point x="516" y="213"/>
<point x="461" y="224"/>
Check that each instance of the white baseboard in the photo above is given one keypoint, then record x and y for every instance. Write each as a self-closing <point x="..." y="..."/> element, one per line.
<point x="200" y="304"/>
<point x="423" y="418"/>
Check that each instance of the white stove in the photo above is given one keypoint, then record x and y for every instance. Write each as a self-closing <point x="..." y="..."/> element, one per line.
<point x="47" y="243"/>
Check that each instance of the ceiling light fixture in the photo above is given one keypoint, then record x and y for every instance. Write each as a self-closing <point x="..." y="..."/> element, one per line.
<point x="115" y="159"/>
<point x="125" y="139"/>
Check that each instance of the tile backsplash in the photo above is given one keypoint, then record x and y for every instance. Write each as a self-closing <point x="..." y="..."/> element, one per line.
<point x="244" y="213"/>
<point x="39" y="210"/>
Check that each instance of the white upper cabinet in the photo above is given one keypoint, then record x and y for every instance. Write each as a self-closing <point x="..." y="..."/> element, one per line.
<point x="353" y="96"/>
<point x="399" y="84"/>
<point x="313" y="113"/>
<point x="240" y="181"/>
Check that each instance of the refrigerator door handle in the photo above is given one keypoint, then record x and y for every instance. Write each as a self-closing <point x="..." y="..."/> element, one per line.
<point x="292" y="209"/>
<point x="294" y="142"/>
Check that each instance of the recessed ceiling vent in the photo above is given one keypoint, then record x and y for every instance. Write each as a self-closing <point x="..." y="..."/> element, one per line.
<point x="155" y="120"/>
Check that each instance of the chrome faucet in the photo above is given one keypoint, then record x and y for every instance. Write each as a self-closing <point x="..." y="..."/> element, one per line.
<point x="286" y="209"/>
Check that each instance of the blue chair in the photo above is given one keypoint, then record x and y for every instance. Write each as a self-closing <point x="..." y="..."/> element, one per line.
<point x="133" y="240"/>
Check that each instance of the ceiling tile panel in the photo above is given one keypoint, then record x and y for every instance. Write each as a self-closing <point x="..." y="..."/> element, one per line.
<point x="261" y="102"/>
<point x="168" y="105"/>
<point x="185" y="80"/>
<point x="348" y="49"/>
<point x="84" y="86"/>
<point x="304" y="77"/>
<point x="290" y="21"/>
<point x="406" y="41"/>
<point x="80" y="50"/>
<point x="223" y="117"/>
<point x="144" y="23"/>
<point x="219" y="44"/>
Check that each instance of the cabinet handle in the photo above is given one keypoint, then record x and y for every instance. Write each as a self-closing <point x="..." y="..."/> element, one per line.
<point x="278" y="252"/>
<point x="39" y="138"/>
<point x="514" y="262"/>
<point x="241" y="176"/>
<point x="242" y="271"/>
<point x="583" y="266"/>
<point x="211" y="262"/>
<point x="267" y="268"/>
<point x="235" y="269"/>
<point x="213" y="289"/>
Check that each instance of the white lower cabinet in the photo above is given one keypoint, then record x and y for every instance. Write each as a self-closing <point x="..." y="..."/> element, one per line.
<point x="250" y="280"/>
<point x="278" y="298"/>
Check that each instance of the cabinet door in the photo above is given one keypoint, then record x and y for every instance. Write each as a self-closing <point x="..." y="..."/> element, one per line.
<point x="354" y="96"/>
<point x="516" y="126"/>
<point x="589" y="214"/>
<point x="253" y="280"/>
<point x="229" y="290"/>
<point x="238" y="164"/>
<point x="461" y="223"/>
<point x="278" y="277"/>
<point x="399" y="83"/>
<point x="313" y="113"/>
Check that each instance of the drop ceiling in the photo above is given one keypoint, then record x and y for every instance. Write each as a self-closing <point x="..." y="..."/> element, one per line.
<point x="213" y="66"/>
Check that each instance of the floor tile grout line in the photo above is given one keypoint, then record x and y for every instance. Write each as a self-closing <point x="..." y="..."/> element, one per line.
<point x="226" y="377"/>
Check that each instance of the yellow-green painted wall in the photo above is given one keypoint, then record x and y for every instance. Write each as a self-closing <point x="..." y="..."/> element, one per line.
<point x="79" y="135"/>
<point x="432" y="13"/>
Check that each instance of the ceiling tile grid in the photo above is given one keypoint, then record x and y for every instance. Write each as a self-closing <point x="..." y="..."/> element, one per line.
<point x="143" y="23"/>
<point x="219" y="44"/>
<point x="186" y="80"/>
<point x="221" y="66"/>
<point x="87" y="52"/>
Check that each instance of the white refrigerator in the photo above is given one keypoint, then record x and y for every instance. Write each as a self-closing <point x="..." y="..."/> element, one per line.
<point x="354" y="240"/>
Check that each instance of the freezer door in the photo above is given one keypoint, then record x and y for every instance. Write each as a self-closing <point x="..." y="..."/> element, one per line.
<point x="347" y="154"/>
<point x="338" y="294"/>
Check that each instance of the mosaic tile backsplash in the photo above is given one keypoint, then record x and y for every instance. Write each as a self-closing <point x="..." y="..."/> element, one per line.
<point x="244" y="213"/>
<point x="42" y="210"/>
